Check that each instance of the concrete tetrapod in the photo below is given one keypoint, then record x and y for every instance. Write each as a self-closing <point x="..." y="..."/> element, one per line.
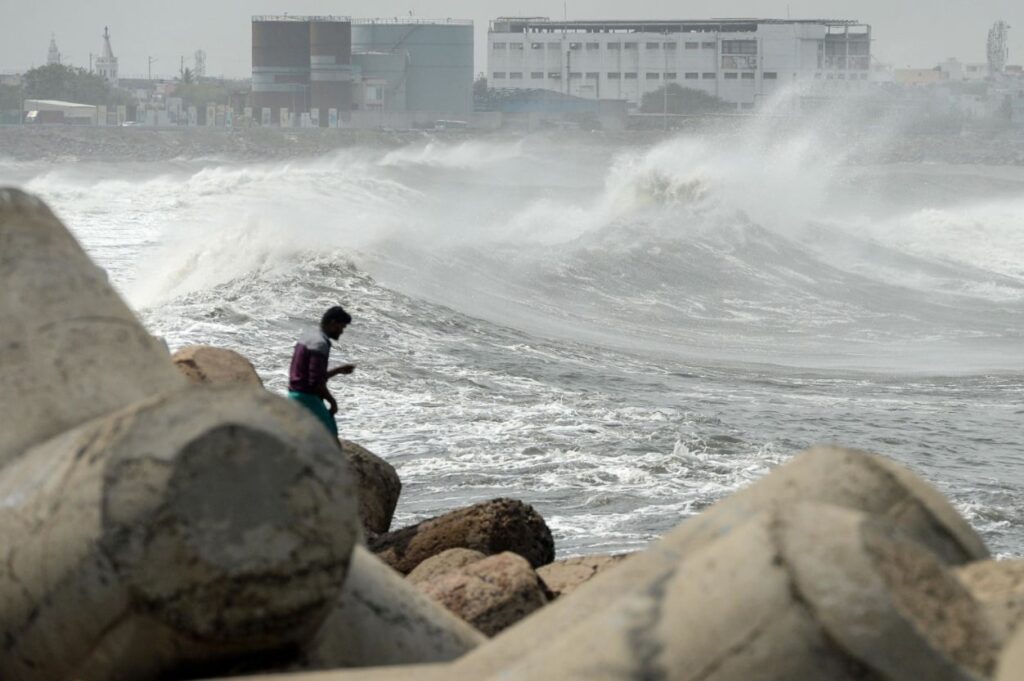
<point x="834" y="475"/>
<point x="70" y="349"/>
<point x="1011" y="662"/>
<point x="381" y="620"/>
<point x="807" y="591"/>
<point x="174" y="538"/>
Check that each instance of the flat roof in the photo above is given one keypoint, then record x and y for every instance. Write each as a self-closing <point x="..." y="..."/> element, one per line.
<point x="525" y="23"/>
<point x="307" y="18"/>
<point x="412" y="21"/>
<point x="57" y="102"/>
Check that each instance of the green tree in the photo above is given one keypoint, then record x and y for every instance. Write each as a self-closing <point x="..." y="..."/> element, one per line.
<point x="202" y="93"/>
<point x="186" y="77"/>
<point x="57" y="81"/>
<point x="10" y="97"/>
<point x="675" y="99"/>
<point x="480" y="87"/>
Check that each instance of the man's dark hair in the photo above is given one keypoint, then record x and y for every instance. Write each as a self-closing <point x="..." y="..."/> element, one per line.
<point x="336" y="314"/>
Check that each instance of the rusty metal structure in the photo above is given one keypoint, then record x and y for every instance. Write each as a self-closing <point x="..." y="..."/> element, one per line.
<point x="301" y="64"/>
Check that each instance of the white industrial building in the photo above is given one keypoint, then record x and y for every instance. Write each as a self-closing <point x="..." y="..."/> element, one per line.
<point x="742" y="61"/>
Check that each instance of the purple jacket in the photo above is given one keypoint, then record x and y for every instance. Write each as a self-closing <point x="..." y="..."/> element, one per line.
<point x="308" y="372"/>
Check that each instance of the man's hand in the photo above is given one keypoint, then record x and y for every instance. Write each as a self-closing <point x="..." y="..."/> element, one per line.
<point x="334" y="406"/>
<point x="343" y="369"/>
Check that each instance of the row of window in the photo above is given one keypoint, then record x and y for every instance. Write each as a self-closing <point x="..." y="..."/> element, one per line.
<point x="594" y="75"/>
<point x="711" y="45"/>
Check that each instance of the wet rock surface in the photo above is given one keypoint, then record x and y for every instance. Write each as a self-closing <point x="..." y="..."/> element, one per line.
<point x="490" y="527"/>
<point x="379" y="487"/>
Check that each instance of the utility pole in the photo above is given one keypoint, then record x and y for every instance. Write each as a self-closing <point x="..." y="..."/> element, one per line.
<point x="151" y="60"/>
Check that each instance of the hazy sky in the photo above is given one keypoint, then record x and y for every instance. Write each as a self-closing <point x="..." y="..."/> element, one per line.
<point x="906" y="32"/>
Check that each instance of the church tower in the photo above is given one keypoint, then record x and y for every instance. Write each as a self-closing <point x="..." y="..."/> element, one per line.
<point x="53" y="56"/>
<point x="106" y="64"/>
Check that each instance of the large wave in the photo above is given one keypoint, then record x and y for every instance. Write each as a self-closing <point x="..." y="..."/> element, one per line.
<point x="762" y="245"/>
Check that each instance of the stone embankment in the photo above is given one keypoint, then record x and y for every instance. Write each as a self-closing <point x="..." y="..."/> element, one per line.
<point x="182" y="524"/>
<point x="64" y="143"/>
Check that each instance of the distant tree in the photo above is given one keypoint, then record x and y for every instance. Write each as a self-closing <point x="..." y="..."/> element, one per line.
<point x="186" y="77"/>
<point x="201" y="93"/>
<point x="480" y="87"/>
<point x="675" y="99"/>
<point x="57" y="81"/>
<point x="10" y="97"/>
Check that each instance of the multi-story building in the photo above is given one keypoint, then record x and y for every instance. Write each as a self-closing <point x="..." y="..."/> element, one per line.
<point x="323" y="66"/>
<point x="742" y="61"/>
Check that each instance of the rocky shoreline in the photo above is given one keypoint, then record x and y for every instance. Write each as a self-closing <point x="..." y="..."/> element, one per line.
<point x="169" y="518"/>
<point x="62" y="144"/>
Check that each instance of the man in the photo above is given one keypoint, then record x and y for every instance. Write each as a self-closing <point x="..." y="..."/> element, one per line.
<point x="308" y="375"/>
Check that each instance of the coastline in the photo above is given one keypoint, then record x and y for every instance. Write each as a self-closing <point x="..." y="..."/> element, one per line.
<point x="62" y="144"/>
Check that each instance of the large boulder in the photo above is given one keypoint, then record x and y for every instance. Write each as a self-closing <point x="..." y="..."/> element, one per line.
<point x="205" y="365"/>
<point x="1011" y="662"/>
<point x="804" y="591"/>
<point x="999" y="586"/>
<point x="379" y="487"/>
<point x="70" y="349"/>
<point x="179" y="536"/>
<point x="442" y="563"/>
<point x="491" y="594"/>
<point x="489" y="527"/>
<point x="564" y="576"/>
<point x="843" y="477"/>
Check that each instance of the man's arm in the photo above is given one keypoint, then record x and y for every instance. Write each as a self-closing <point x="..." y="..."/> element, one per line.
<point x="343" y="369"/>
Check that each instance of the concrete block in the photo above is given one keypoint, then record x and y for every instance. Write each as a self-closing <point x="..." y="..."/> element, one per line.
<point x="186" y="532"/>
<point x="70" y="349"/>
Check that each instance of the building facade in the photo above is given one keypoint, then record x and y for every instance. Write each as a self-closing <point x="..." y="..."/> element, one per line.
<point x="439" y="62"/>
<point x="301" y="66"/>
<point x="741" y="61"/>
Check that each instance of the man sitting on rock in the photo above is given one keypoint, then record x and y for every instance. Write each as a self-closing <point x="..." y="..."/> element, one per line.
<point x="308" y="375"/>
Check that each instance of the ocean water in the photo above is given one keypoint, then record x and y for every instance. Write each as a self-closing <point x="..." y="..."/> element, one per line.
<point x="618" y="335"/>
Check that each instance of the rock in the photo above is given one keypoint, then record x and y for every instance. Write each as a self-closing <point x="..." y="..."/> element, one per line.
<point x="564" y="576"/>
<point x="491" y="594"/>
<point x="170" y="538"/>
<point x="442" y="563"/>
<point x="70" y="349"/>
<point x="381" y="620"/>
<point x="490" y="527"/>
<point x="843" y="477"/>
<point x="379" y="487"/>
<point x="1011" y="662"/>
<point x="999" y="586"/>
<point x="805" y="591"/>
<point x="205" y="365"/>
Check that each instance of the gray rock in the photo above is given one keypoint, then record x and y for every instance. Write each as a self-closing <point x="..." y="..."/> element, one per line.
<point x="564" y="576"/>
<point x="442" y="563"/>
<point x="70" y="349"/>
<point x="205" y="365"/>
<point x="491" y="594"/>
<point x="490" y="527"/>
<point x="843" y="477"/>
<point x="999" y="586"/>
<point x="379" y="487"/>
